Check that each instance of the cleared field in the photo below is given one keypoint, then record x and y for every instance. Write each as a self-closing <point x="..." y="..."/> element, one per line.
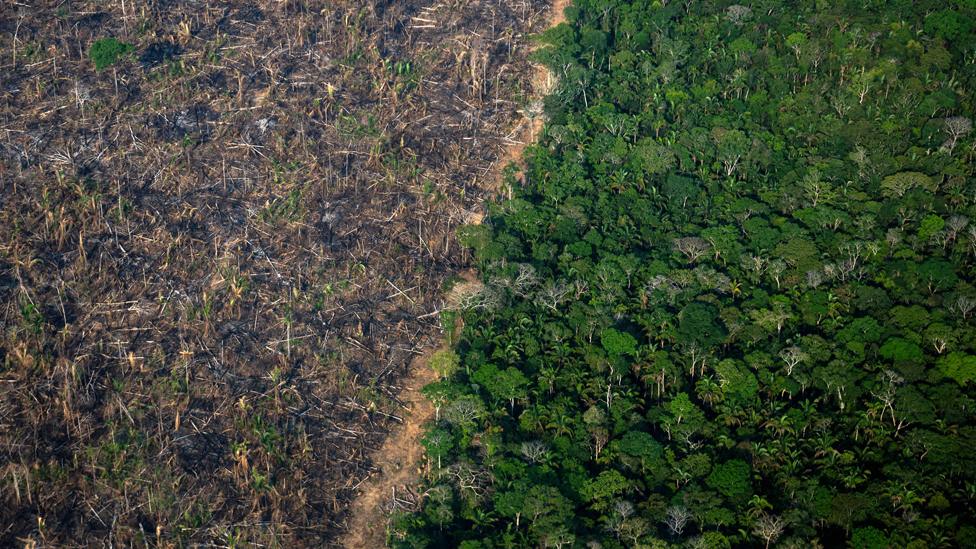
<point x="221" y="236"/>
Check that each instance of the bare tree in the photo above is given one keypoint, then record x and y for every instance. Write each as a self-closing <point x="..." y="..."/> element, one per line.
<point x="697" y="356"/>
<point x="534" y="450"/>
<point x="580" y="287"/>
<point x="792" y="356"/>
<point x="621" y="511"/>
<point x="634" y="529"/>
<point x="484" y="298"/>
<point x="677" y="518"/>
<point x="857" y="252"/>
<point x="815" y="188"/>
<point x="964" y="304"/>
<point x="893" y="238"/>
<point x="955" y="225"/>
<point x="838" y="101"/>
<point x="956" y="127"/>
<point x="737" y="14"/>
<point x="553" y="294"/>
<point x="769" y="528"/>
<point x="775" y="270"/>
<point x="464" y="410"/>
<point x="692" y="247"/>
<point x="772" y="318"/>
<point x="623" y="508"/>
<point x="470" y="478"/>
<point x="755" y="263"/>
<point x="889" y="387"/>
<point x="558" y="539"/>
<point x="814" y="278"/>
<point x="861" y="158"/>
<point x="939" y="343"/>
<point x="667" y="285"/>
<point x="712" y="279"/>
<point x="600" y="438"/>
<point x="524" y="281"/>
<point x="861" y="84"/>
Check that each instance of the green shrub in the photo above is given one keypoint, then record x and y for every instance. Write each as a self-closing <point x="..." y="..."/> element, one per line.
<point x="732" y="479"/>
<point x="869" y="538"/>
<point x="105" y="52"/>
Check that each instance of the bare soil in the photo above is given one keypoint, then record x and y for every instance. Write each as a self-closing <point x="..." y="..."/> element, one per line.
<point x="399" y="462"/>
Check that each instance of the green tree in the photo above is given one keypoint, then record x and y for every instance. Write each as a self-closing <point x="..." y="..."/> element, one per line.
<point x="697" y="322"/>
<point x="505" y="385"/>
<point x="445" y="363"/>
<point x="869" y="538"/>
<point x="958" y="367"/>
<point x="606" y="488"/>
<point x="618" y="343"/>
<point x="683" y="417"/>
<point x="732" y="479"/>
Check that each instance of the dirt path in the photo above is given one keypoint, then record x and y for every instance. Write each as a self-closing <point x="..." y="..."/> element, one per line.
<point x="542" y="83"/>
<point x="400" y="460"/>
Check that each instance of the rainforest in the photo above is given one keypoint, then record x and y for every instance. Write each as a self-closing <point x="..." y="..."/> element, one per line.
<point x="729" y="301"/>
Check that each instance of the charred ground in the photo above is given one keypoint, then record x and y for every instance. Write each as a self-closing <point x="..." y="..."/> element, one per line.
<point x="218" y="251"/>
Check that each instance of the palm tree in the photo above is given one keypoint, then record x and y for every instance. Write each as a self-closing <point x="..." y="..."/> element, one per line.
<point x="709" y="390"/>
<point x="854" y="478"/>
<point x="548" y="376"/>
<point x="561" y="424"/>
<point x="758" y="506"/>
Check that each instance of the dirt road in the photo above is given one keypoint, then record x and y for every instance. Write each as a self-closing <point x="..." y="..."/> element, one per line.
<point x="399" y="462"/>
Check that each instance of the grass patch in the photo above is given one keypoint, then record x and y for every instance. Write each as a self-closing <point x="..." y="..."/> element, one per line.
<point x="106" y="52"/>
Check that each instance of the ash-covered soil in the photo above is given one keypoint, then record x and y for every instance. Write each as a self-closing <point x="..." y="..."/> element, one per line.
<point x="217" y="253"/>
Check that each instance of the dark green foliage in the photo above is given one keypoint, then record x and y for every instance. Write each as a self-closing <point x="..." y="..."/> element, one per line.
<point x="734" y="289"/>
<point x="731" y="479"/>
<point x="869" y="538"/>
<point x="105" y="52"/>
<point x="698" y="323"/>
<point x="617" y="343"/>
<point x="948" y="24"/>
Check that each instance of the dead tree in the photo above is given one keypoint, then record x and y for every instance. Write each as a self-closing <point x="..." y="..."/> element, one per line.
<point x="677" y="518"/>
<point x="692" y="247"/>
<point x="769" y="528"/>
<point x="956" y="128"/>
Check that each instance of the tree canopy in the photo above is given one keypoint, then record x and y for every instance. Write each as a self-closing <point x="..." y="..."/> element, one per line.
<point x="752" y="237"/>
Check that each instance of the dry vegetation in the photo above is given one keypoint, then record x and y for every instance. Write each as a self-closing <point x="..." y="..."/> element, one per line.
<point x="219" y="254"/>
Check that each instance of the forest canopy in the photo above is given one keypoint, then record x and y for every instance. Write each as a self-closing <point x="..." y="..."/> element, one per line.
<point x="730" y="302"/>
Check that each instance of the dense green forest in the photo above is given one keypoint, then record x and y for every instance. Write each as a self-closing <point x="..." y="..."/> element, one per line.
<point x="730" y="302"/>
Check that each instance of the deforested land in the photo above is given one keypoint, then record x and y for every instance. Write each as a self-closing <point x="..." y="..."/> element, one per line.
<point x="224" y="228"/>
